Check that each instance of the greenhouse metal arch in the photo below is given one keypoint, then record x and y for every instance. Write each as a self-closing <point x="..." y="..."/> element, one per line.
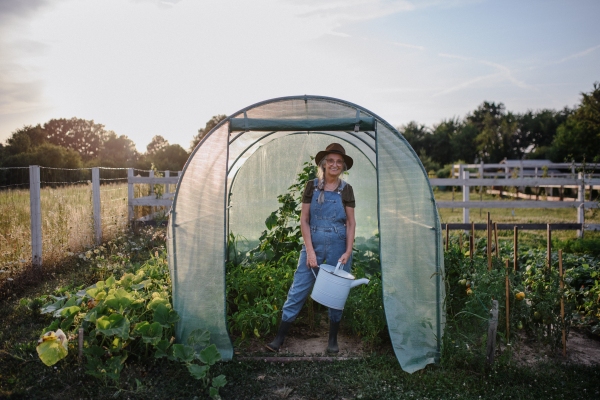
<point x="230" y="184"/>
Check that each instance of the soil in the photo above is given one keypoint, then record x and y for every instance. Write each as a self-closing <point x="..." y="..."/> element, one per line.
<point x="581" y="349"/>
<point x="306" y="342"/>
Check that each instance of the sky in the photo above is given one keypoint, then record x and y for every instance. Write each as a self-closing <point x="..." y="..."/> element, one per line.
<point x="149" y="67"/>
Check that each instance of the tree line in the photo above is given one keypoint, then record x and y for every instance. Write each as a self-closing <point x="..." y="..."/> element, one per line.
<point x="80" y="143"/>
<point x="491" y="133"/>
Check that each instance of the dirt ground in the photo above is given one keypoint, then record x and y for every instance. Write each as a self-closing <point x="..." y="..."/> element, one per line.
<point x="581" y="349"/>
<point x="302" y="341"/>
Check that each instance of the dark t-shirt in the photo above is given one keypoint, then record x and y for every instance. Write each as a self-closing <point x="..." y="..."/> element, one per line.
<point x="347" y="194"/>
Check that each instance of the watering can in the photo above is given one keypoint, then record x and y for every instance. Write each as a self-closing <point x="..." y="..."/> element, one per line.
<point x="333" y="285"/>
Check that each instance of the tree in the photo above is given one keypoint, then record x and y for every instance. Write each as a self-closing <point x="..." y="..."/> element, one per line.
<point x="537" y="130"/>
<point x="171" y="157"/>
<point x="45" y="155"/>
<point x="214" y="121"/>
<point x="158" y="142"/>
<point x="25" y="138"/>
<point x="578" y="138"/>
<point x="83" y="136"/>
<point x="118" y="151"/>
<point x="418" y="136"/>
<point x="443" y="136"/>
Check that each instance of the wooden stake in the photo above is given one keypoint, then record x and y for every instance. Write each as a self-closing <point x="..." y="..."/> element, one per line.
<point x="489" y="249"/>
<point x="562" y="303"/>
<point x="496" y="239"/>
<point x="447" y="233"/>
<point x="80" y="344"/>
<point x="516" y="248"/>
<point x="473" y="229"/>
<point x="507" y="304"/>
<point x="471" y="245"/>
<point x="549" y="249"/>
<point x="492" y="329"/>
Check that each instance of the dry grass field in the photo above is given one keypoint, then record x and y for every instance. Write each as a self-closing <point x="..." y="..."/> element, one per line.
<point x="67" y="221"/>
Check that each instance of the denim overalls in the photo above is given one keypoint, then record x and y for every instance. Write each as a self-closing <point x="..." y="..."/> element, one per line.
<point x="328" y="234"/>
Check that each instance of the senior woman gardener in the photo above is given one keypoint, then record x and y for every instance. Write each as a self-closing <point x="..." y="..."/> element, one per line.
<point x="328" y="226"/>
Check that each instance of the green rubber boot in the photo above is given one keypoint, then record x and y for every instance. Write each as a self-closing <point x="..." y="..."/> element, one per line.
<point x="283" y="330"/>
<point x="332" y="346"/>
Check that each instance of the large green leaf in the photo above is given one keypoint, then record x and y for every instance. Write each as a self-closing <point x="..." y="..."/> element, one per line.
<point x="141" y="285"/>
<point x="152" y="334"/>
<point x="210" y="355"/>
<point x="52" y="307"/>
<point x="69" y="311"/>
<point x="197" y="371"/>
<point x="200" y="337"/>
<point x="126" y="280"/>
<point x="93" y="292"/>
<point x="184" y="353"/>
<point x="53" y="348"/>
<point x="114" y="324"/>
<point x="165" y="317"/>
<point x="96" y="313"/>
<point x="153" y="305"/>
<point x="219" y="381"/>
<point x="141" y="328"/>
<point x="119" y="300"/>
<point x="110" y="282"/>
<point x="163" y="349"/>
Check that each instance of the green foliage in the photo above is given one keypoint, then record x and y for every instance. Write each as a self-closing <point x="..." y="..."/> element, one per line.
<point x="123" y="318"/>
<point x="283" y="234"/>
<point x="538" y="314"/>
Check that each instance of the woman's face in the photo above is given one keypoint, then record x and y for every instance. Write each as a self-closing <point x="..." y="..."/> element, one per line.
<point x="334" y="164"/>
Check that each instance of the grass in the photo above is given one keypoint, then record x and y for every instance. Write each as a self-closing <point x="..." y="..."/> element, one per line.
<point x="521" y="215"/>
<point x="67" y="222"/>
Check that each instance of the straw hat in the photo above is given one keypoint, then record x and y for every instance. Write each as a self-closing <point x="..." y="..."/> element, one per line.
<point x="337" y="149"/>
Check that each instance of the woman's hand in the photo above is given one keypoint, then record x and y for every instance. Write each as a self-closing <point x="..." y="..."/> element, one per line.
<point x="311" y="259"/>
<point x="344" y="258"/>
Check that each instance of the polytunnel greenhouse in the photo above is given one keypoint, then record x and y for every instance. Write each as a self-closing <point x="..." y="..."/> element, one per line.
<point x="231" y="182"/>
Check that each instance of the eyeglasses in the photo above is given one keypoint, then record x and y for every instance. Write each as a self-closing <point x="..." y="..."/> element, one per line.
<point x="332" y="161"/>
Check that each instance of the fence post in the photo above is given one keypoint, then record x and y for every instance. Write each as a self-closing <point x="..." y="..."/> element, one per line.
<point x="152" y="209"/>
<point x="492" y="329"/>
<point x="96" y="204"/>
<point x="581" y="201"/>
<point x="465" y="190"/>
<point x="130" y="194"/>
<point x="167" y="175"/>
<point x="521" y="175"/>
<point x="507" y="305"/>
<point x="35" y="206"/>
<point x="562" y="302"/>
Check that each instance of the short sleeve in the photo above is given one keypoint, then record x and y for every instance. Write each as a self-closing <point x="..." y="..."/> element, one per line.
<point x="348" y="196"/>
<point x="308" y="192"/>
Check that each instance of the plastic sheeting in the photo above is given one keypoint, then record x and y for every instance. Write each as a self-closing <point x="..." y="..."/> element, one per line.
<point x="250" y="169"/>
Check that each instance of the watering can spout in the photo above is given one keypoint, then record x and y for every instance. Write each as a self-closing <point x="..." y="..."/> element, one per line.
<point x="363" y="281"/>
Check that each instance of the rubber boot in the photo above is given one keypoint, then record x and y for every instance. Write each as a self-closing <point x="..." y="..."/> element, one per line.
<point x="332" y="346"/>
<point x="283" y="330"/>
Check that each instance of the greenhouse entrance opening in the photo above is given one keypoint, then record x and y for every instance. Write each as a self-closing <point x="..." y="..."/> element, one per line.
<point x="230" y="186"/>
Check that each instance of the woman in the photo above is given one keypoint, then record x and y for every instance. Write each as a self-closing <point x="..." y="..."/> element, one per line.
<point x="328" y="226"/>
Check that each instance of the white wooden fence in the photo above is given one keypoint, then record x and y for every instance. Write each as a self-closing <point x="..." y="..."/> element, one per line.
<point x="580" y="183"/>
<point x="524" y="179"/>
<point x="166" y="199"/>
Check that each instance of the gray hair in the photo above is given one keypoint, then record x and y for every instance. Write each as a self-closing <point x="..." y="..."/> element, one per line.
<point x="321" y="177"/>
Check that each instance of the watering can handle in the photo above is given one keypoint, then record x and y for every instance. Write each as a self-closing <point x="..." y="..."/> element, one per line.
<point x="313" y="271"/>
<point x="337" y="267"/>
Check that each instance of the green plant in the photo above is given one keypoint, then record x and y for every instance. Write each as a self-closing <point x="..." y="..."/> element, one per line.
<point x="128" y="317"/>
